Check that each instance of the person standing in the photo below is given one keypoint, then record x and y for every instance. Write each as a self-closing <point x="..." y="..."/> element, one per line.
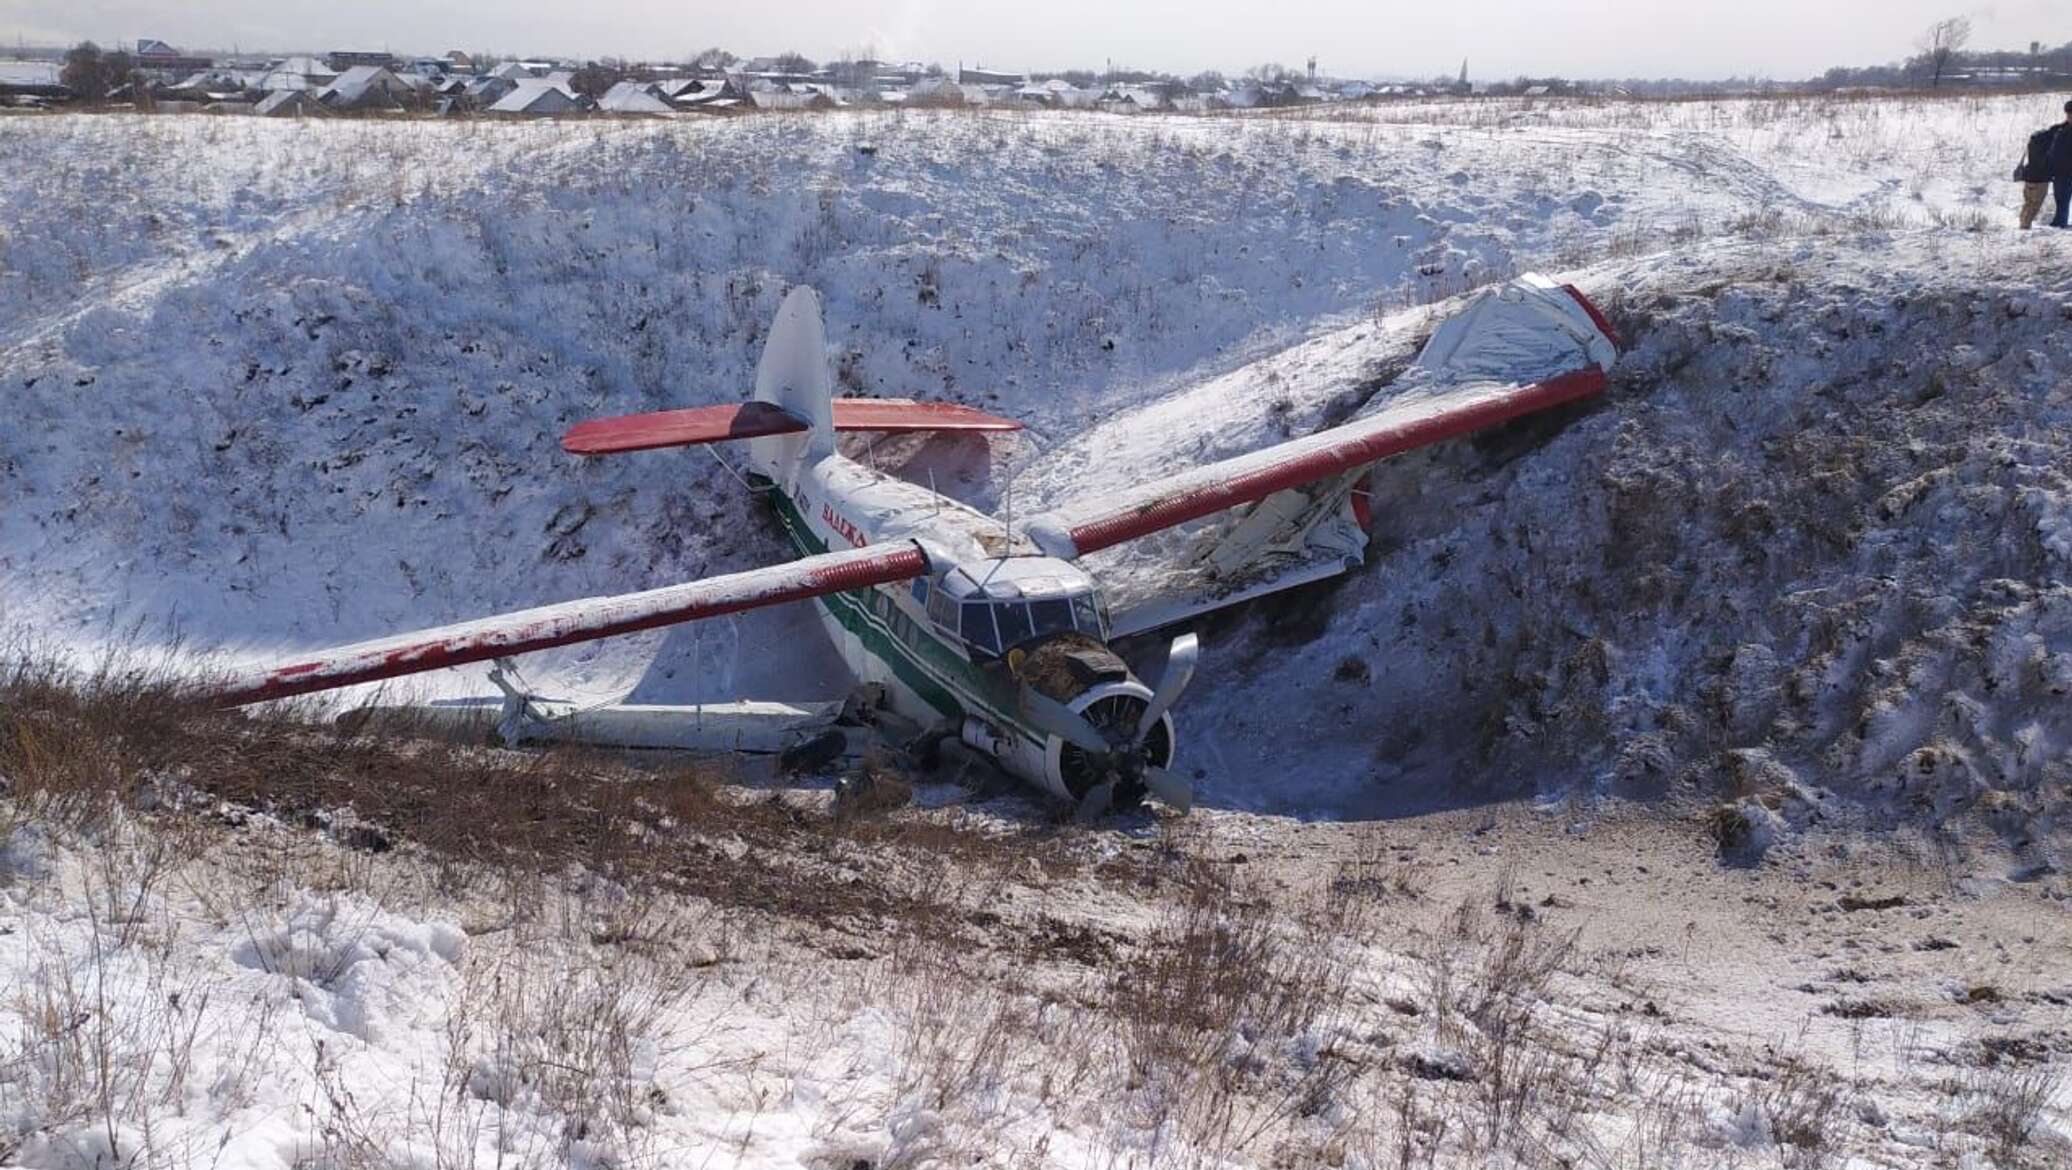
<point x="2034" y="172"/>
<point x="2061" y="170"/>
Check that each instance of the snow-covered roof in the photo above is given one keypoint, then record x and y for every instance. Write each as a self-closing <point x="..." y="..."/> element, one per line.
<point x="536" y="95"/>
<point x="283" y="102"/>
<point x="512" y="71"/>
<point x="357" y="83"/>
<point x="634" y="97"/>
<point x="784" y="99"/>
<point x="29" y="73"/>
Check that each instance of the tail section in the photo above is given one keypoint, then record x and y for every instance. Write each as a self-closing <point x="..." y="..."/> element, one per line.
<point x="793" y="376"/>
<point x="792" y="418"/>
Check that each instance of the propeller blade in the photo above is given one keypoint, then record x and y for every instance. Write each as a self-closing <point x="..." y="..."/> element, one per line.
<point x="1054" y="717"/>
<point x="1095" y="804"/>
<point x="1179" y="668"/>
<point x="1172" y="789"/>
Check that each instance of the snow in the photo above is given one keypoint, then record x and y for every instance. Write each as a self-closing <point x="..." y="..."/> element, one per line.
<point x="291" y="386"/>
<point x="281" y="386"/>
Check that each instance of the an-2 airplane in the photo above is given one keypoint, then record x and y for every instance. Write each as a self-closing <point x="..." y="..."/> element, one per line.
<point x="998" y="636"/>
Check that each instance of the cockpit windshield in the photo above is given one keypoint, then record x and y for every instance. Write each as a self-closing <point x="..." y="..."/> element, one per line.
<point x="994" y="606"/>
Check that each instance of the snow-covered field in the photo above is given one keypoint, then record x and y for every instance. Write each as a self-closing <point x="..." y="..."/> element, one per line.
<point x="1804" y="573"/>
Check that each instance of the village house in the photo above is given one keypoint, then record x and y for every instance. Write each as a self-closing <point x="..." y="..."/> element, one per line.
<point x="157" y="57"/>
<point x="990" y="77"/>
<point x="298" y="73"/>
<point x="635" y="97"/>
<point x="368" y="87"/>
<point x="287" y="103"/>
<point x="705" y="95"/>
<point x="785" y="99"/>
<point x="347" y="59"/>
<point x="540" y="97"/>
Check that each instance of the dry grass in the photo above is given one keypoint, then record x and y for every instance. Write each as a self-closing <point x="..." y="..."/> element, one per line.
<point x="78" y="747"/>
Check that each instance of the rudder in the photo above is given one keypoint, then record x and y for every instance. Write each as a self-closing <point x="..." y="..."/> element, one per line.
<point x="793" y="374"/>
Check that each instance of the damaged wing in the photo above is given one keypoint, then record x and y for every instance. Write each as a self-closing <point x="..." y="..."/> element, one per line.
<point x="574" y="621"/>
<point x="1527" y="347"/>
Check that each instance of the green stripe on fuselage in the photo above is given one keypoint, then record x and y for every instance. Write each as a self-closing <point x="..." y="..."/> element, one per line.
<point x="942" y="678"/>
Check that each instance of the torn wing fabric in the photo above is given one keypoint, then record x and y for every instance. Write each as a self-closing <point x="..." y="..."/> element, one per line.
<point x="1527" y="346"/>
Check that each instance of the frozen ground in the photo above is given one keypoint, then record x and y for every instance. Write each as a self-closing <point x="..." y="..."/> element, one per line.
<point x="1780" y="628"/>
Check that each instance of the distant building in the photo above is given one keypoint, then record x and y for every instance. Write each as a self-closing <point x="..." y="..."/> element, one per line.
<point x="298" y="73"/>
<point x="704" y="94"/>
<point x="367" y="87"/>
<point x="287" y="103"/>
<point x="990" y="77"/>
<point x="346" y="59"/>
<point x="784" y="99"/>
<point x="158" y="57"/>
<point x="539" y="97"/>
<point x="635" y="97"/>
<point x="206" y="86"/>
<point x="31" y="81"/>
<point x="459" y="62"/>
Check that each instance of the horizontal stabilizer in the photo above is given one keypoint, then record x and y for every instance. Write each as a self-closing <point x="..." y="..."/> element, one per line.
<point x="753" y="420"/>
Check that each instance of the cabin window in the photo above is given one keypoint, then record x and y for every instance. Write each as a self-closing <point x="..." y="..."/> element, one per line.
<point x="942" y="610"/>
<point x="978" y="626"/>
<point x="1013" y="617"/>
<point x="1087" y="616"/>
<point x="921" y="591"/>
<point x="1051" y="617"/>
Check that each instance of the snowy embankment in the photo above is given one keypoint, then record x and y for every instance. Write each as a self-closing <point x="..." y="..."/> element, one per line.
<point x="289" y="385"/>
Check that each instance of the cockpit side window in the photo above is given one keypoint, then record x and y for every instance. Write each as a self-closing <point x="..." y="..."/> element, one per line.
<point x="1086" y="614"/>
<point x="978" y="626"/>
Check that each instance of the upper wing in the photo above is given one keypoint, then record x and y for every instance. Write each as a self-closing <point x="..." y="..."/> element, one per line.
<point x="1530" y="324"/>
<point x="750" y="420"/>
<point x="575" y="621"/>
<point x="1401" y="427"/>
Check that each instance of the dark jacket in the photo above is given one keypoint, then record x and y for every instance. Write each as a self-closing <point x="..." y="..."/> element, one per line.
<point x="2036" y="168"/>
<point x="2061" y="155"/>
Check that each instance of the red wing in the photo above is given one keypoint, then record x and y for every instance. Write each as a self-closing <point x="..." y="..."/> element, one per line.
<point x="895" y="415"/>
<point x="1472" y="373"/>
<point x="1400" y="427"/>
<point x="680" y="428"/>
<point x="576" y="621"/>
<point x="750" y="420"/>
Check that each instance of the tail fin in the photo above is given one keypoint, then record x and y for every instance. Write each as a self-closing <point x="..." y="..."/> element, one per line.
<point x="793" y="375"/>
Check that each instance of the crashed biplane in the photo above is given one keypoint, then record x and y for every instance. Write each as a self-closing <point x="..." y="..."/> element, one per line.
<point x="996" y="635"/>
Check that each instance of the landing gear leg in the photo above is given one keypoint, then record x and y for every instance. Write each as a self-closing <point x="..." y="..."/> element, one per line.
<point x="517" y="717"/>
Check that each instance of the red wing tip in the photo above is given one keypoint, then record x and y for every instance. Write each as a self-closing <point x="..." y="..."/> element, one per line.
<point x="1597" y="316"/>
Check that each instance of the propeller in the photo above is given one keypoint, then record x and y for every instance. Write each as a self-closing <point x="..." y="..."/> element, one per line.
<point x="1179" y="670"/>
<point x="1122" y="759"/>
<point x="1057" y="719"/>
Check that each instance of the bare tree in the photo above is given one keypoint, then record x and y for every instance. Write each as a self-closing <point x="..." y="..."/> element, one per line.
<point x="1941" y="44"/>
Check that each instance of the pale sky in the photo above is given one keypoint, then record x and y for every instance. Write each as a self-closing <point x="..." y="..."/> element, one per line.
<point x="1781" y="39"/>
